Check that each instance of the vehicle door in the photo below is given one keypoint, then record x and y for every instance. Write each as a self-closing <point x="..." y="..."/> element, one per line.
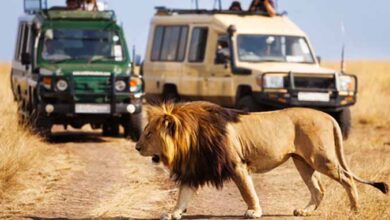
<point x="22" y="65"/>
<point x="219" y="86"/>
<point x="167" y="54"/>
<point x="194" y="80"/>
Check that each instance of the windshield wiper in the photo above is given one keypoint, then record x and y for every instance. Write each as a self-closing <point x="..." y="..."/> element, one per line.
<point x="68" y="59"/>
<point x="271" y="60"/>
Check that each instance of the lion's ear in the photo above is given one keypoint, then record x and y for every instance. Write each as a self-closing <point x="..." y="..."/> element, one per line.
<point x="170" y="124"/>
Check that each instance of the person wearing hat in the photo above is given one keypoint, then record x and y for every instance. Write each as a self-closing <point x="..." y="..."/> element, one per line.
<point x="264" y="6"/>
<point x="236" y="6"/>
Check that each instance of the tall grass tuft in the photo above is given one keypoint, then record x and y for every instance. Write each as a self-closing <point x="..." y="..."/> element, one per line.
<point x="19" y="149"/>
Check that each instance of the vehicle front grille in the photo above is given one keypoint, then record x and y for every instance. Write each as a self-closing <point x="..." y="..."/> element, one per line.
<point x="92" y="89"/>
<point x="307" y="82"/>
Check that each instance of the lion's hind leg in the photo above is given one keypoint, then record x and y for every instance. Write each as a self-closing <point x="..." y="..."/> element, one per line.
<point x="312" y="181"/>
<point x="336" y="172"/>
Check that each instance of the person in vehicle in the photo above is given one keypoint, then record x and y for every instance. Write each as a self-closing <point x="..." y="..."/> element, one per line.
<point x="236" y="6"/>
<point x="264" y="6"/>
<point x="93" y="5"/>
<point x="73" y="4"/>
<point x="53" y="50"/>
<point x="223" y="52"/>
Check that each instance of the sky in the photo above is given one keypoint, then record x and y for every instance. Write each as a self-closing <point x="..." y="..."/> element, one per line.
<point x="366" y="23"/>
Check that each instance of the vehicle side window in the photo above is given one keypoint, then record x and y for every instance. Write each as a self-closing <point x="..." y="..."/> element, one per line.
<point x="18" y="41"/>
<point x="24" y="42"/>
<point x="31" y="39"/>
<point x="198" y="44"/>
<point x="223" y="50"/>
<point x="169" y="43"/>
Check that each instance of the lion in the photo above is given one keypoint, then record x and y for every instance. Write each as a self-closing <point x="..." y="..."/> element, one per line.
<point x="202" y="143"/>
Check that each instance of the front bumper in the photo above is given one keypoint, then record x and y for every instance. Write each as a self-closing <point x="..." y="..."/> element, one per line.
<point x="298" y="84"/>
<point x="70" y="109"/>
<point x="286" y="99"/>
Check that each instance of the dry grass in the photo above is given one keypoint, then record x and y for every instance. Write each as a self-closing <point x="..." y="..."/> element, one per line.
<point x="368" y="149"/>
<point x="19" y="150"/>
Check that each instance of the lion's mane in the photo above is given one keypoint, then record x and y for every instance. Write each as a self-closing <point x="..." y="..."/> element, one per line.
<point x="196" y="137"/>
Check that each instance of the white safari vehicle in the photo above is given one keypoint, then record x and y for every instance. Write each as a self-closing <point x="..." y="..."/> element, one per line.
<point x="243" y="60"/>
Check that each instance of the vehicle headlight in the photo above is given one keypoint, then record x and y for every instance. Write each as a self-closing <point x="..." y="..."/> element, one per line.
<point x="273" y="82"/>
<point x="120" y="85"/>
<point x="347" y="83"/>
<point x="62" y="85"/>
<point x="135" y="85"/>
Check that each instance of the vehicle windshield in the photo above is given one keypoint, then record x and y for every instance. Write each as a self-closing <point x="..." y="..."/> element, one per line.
<point x="272" y="48"/>
<point x="78" y="44"/>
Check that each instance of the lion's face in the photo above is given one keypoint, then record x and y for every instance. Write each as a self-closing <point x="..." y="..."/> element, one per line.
<point x="156" y="142"/>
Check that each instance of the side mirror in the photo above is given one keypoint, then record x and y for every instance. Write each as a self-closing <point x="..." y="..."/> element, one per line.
<point x="319" y="59"/>
<point x="26" y="59"/>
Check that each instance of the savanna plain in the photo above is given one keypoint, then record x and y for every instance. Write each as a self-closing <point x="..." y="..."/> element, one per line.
<point x="83" y="175"/>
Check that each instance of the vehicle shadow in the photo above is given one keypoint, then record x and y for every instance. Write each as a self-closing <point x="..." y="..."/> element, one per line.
<point x="76" y="137"/>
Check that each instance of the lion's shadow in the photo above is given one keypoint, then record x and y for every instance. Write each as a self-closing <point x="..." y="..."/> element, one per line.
<point x="229" y="217"/>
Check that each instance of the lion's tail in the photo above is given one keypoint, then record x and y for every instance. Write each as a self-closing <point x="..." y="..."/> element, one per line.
<point x="383" y="187"/>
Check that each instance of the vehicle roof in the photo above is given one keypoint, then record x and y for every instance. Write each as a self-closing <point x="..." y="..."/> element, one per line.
<point x="245" y="23"/>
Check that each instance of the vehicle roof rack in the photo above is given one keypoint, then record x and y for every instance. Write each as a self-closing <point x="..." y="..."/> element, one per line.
<point x="58" y="14"/>
<point x="167" y="11"/>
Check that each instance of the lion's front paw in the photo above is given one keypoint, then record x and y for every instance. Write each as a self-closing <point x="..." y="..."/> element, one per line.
<point x="166" y="216"/>
<point x="177" y="215"/>
<point x="252" y="214"/>
<point x="174" y="216"/>
<point x="302" y="212"/>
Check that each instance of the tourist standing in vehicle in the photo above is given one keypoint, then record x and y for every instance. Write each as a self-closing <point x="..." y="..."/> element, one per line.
<point x="72" y="4"/>
<point x="93" y="5"/>
<point x="264" y="6"/>
<point x="236" y="6"/>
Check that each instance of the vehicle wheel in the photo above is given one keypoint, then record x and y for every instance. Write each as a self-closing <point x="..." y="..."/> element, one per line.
<point x="21" y="117"/>
<point x="133" y="126"/>
<point x="170" y="95"/>
<point x="111" y="129"/>
<point x="248" y="104"/>
<point x="42" y="126"/>
<point x="344" y="120"/>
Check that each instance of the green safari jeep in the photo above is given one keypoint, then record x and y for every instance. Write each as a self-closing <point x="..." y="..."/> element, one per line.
<point x="73" y="68"/>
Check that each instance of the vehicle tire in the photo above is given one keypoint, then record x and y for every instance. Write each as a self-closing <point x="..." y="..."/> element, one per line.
<point x="111" y="129"/>
<point x="42" y="126"/>
<point x="170" y="95"/>
<point x="248" y="104"/>
<point x="133" y="126"/>
<point x="344" y="119"/>
<point x="22" y="121"/>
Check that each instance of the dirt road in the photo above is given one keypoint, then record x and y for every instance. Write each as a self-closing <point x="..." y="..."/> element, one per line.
<point x="98" y="177"/>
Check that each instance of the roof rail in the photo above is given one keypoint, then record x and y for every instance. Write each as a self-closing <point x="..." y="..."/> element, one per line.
<point x="168" y="11"/>
<point x="58" y="14"/>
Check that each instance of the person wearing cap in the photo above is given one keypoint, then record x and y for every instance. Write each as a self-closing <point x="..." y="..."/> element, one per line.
<point x="236" y="6"/>
<point x="264" y="6"/>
